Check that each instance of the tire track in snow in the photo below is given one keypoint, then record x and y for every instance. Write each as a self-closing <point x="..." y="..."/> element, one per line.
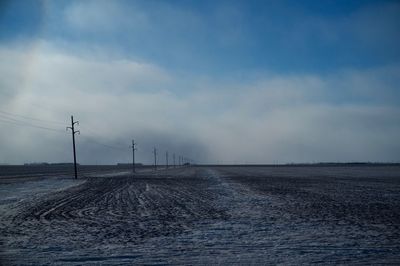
<point x="113" y="210"/>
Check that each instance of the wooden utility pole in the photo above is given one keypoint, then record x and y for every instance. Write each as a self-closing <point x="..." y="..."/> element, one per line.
<point x="166" y="159"/>
<point x="173" y="156"/>
<point x="133" y="156"/>
<point x="72" y="127"/>
<point x="155" y="159"/>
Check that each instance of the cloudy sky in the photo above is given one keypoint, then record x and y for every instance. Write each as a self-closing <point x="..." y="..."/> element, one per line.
<point x="216" y="81"/>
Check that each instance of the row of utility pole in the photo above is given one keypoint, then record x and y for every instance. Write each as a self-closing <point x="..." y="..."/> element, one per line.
<point x="182" y="160"/>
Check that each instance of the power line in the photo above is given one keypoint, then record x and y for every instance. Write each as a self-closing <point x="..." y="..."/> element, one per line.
<point x="16" y="122"/>
<point x="90" y="139"/>
<point x="21" y="123"/>
<point x="16" y="119"/>
<point x="98" y="136"/>
<point x="31" y="118"/>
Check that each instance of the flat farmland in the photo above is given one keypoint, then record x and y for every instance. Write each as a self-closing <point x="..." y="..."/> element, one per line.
<point x="203" y="215"/>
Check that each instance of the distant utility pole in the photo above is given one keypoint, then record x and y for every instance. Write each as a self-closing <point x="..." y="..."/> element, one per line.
<point x="155" y="158"/>
<point x="133" y="156"/>
<point x="72" y="127"/>
<point x="173" y="156"/>
<point x="166" y="159"/>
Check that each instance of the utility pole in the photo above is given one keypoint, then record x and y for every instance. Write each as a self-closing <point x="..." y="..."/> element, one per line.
<point x="173" y="156"/>
<point x="133" y="156"/>
<point x="155" y="159"/>
<point x="72" y="127"/>
<point x="166" y="159"/>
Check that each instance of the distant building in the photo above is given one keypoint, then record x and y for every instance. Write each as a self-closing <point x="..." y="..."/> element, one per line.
<point x="64" y="164"/>
<point x="40" y="163"/>
<point x="45" y="163"/>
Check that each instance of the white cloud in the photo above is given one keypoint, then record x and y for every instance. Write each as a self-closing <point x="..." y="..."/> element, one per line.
<point x="373" y="27"/>
<point x="274" y="118"/>
<point x="104" y="16"/>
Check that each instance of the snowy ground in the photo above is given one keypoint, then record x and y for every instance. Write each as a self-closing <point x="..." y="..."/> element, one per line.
<point x="221" y="215"/>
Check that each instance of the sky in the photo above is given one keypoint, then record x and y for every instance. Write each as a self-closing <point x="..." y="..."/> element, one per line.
<point x="214" y="81"/>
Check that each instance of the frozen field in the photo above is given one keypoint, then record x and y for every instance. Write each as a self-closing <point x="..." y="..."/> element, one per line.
<point x="204" y="215"/>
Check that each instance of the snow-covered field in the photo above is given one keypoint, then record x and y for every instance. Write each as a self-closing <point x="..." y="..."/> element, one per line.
<point x="205" y="215"/>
